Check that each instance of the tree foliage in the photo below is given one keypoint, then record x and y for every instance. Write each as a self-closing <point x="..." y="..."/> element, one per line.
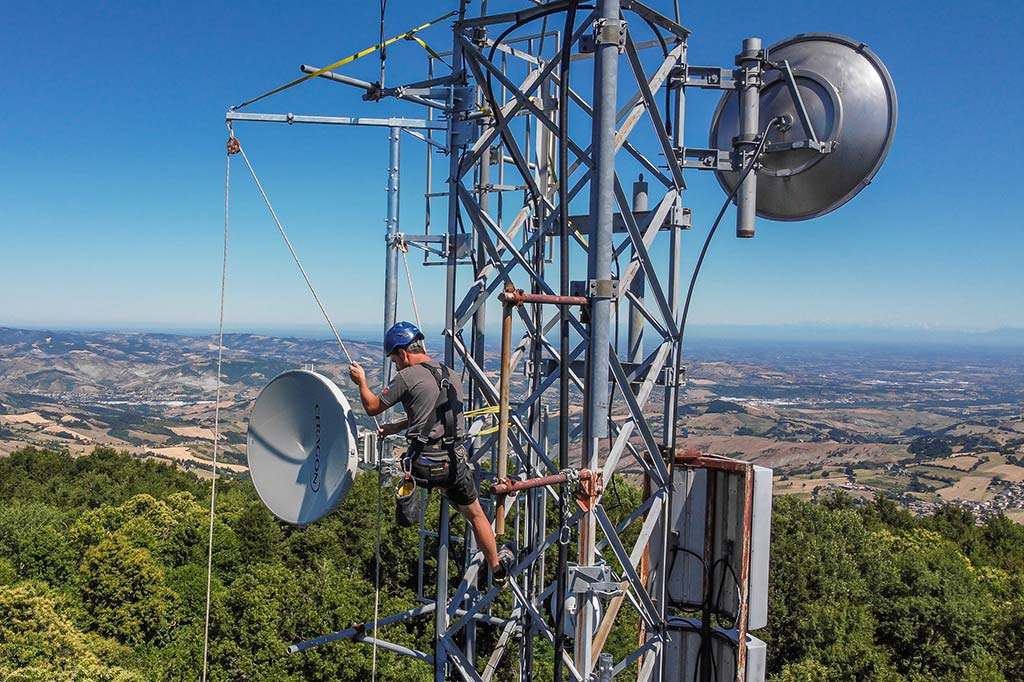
<point x="103" y="577"/>
<point x="39" y="642"/>
<point x="875" y="594"/>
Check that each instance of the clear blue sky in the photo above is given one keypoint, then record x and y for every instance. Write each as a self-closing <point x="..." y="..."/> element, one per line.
<point x="112" y="169"/>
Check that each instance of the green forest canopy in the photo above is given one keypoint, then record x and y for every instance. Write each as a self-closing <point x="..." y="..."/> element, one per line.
<point x="103" y="577"/>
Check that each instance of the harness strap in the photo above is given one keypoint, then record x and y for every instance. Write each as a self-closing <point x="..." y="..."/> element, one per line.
<point x="447" y="410"/>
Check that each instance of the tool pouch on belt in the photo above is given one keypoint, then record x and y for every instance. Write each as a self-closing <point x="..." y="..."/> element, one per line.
<point x="432" y="468"/>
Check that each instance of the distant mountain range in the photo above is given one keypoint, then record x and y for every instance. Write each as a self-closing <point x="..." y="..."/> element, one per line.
<point x="1010" y="337"/>
<point x="1005" y="337"/>
<point x="85" y="366"/>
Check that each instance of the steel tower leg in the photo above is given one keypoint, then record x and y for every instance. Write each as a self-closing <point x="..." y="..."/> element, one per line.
<point x="608" y="30"/>
<point x="456" y="142"/>
<point x="658" y="576"/>
<point x="475" y="395"/>
<point x="441" y="610"/>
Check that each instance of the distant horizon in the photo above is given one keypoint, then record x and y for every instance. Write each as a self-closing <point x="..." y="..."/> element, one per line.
<point x="1009" y="337"/>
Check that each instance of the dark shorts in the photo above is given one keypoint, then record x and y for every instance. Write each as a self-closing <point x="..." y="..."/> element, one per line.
<point x="460" y="487"/>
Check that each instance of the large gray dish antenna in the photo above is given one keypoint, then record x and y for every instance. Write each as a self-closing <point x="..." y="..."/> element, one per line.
<point x="302" y="446"/>
<point x="850" y="101"/>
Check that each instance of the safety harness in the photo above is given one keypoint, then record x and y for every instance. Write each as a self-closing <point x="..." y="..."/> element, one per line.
<point x="448" y="411"/>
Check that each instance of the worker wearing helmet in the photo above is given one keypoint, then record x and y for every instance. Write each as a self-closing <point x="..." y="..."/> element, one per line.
<point x="432" y="399"/>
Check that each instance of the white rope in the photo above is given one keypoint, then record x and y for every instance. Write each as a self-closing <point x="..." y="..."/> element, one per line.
<point x="216" y="414"/>
<point x="412" y="292"/>
<point x="376" y="579"/>
<point x="312" y="289"/>
<point x="288" y="242"/>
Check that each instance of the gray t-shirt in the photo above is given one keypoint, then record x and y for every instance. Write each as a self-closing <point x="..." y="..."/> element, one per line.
<point x="417" y="390"/>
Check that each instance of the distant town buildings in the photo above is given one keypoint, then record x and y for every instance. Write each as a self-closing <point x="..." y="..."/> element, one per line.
<point x="1009" y="496"/>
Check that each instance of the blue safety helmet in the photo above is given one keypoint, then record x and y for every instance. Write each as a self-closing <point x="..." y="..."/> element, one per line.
<point x="402" y="334"/>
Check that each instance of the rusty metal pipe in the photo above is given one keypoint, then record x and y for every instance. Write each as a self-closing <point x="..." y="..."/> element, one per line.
<point x="504" y="385"/>
<point x="506" y="487"/>
<point x="511" y="487"/>
<point x="518" y="297"/>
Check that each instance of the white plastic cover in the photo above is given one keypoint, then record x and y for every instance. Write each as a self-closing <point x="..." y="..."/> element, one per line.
<point x="302" y="446"/>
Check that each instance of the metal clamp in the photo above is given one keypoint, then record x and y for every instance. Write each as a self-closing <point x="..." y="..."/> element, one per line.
<point x="397" y="240"/>
<point x="589" y="486"/>
<point x="603" y="288"/>
<point x="668" y="378"/>
<point x="460" y="242"/>
<point x="597" y="579"/>
<point x="479" y="36"/>
<point x="610" y="31"/>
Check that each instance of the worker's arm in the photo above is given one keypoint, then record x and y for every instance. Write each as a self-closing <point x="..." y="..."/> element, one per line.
<point x="392" y="428"/>
<point x="371" y="401"/>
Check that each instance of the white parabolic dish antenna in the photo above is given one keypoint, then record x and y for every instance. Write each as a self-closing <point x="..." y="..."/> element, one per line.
<point x="851" y="103"/>
<point x="302" y="446"/>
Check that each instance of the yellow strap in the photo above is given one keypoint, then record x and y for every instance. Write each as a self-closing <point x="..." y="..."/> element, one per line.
<point x="429" y="50"/>
<point x="351" y="58"/>
<point x="490" y="409"/>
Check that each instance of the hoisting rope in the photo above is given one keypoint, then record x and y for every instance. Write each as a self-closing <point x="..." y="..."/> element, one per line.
<point x="403" y="246"/>
<point x="383" y="47"/>
<point x="408" y="35"/>
<point x="232" y="149"/>
<point x="234" y="146"/>
<point x="295" y="256"/>
<point x="376" y="571"/>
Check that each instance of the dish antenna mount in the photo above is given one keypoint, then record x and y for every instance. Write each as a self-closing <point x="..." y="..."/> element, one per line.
<point x="835" y="109"/>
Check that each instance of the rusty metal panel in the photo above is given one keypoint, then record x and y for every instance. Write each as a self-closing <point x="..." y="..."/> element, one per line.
<point x="740" y="538"/>
<point x="725" y="565"/>
<point x="685" y="575"/>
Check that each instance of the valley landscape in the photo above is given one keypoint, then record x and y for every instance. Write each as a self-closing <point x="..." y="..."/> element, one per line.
<point x="925" y="425"/>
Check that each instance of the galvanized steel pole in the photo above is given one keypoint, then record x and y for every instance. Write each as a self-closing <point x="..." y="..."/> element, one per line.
<point x="749" y="61"/>
<point x="605" y="668"/>
<point x="657" y="580"/>
<point x="391" y="262"/>
<point x="608" y="32"/>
